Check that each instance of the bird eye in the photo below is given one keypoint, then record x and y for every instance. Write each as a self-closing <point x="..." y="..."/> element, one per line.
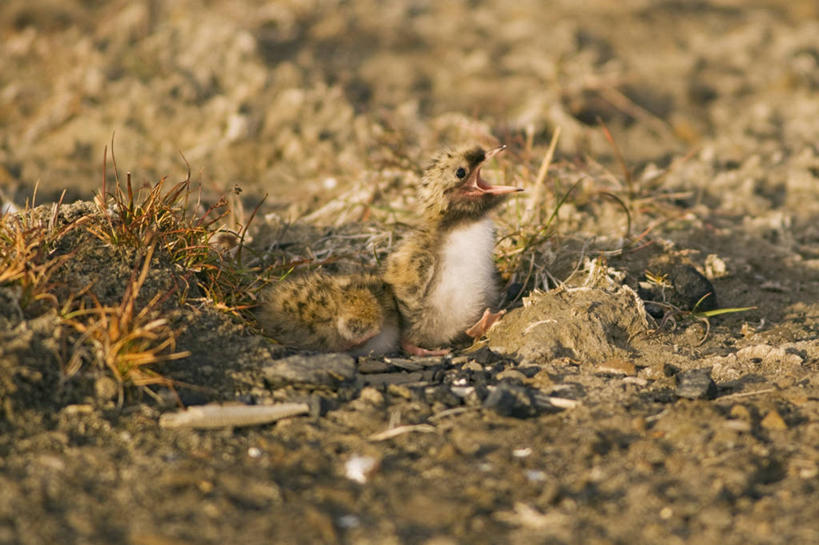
<point x="460" y="173"/>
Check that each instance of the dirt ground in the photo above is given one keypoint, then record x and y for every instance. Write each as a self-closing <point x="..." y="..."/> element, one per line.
<point x="586" y="416"/>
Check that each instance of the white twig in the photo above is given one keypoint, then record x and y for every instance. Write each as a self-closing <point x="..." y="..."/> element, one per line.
<point x="562" y="402"/>
<point x="223" y="416"/>
<point x="533" y="206"/>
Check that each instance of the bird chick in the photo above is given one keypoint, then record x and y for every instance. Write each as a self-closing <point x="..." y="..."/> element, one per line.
<point x="443" y="273"/>
<point x="317" y="311"/>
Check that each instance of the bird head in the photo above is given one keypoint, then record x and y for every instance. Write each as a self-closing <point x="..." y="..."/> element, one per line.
<point x="452" y="188"/>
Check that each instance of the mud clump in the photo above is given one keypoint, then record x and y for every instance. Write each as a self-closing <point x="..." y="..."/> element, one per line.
<point x="583" y="324"/>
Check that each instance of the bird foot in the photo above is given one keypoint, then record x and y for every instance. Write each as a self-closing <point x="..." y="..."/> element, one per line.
<point x="416" y="350"/>
<point x="488" y="319"/>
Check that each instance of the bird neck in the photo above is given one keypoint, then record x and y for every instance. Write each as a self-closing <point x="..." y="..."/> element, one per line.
<point x="444" y="223"/>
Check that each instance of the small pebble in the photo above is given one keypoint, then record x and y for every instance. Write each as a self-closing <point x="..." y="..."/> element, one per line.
<point x="348" y="521"/>
<point x="696" y="384"/>
<point x="616" y="366"/>
<point x="773" y="421"/>
<point x="740" y="412"/>
<point x="462" y="391"/>
<point x="404" y="363"/>
<point x="399" y="391"/>
<point x="485" y="356"/>
<point x="473" y="366"/>
<point x="535" y="475"/>
<point x="511" y="374"/>
<point x="372" y="365"/>
<point x="371" y="396"/>
<point x="670" y="370"/>
<point x="106" y="388"/>
<point x="319" y="370"/>
<point x="83" y="408"/>
<point x="809" y="470"/>
<point x="541" y="380"/>
<point x="511" y="400"/>
<point x="715" y="267"/>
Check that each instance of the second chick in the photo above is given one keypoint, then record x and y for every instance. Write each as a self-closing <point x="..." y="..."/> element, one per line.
<point x="328" y="313"/>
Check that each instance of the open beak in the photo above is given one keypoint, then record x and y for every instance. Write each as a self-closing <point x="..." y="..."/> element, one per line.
<point x="476" y="186"/>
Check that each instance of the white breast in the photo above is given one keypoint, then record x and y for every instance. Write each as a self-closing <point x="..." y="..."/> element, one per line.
<point x="465" y="280"/>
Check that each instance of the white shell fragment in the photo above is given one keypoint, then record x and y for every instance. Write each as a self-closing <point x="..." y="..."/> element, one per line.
<point x="522" y="452"/>
<point x="359" y="468"/>
<point x="562" y="402"/>
<point x="223" y="416"/>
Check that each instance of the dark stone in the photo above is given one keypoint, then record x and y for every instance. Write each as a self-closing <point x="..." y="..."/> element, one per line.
<point x="653" y="309"/>
<point x="464" y="377"/>
<point x="662" y="395"/>
<point x="190" y="397"/>
<point x="529" y="371"/>
<point x="441" y="394"/>
<point x="317" y="370"/>
<point x="670" y="370"/>
<point x="476" y="397"/>
<point x="513" y="291"/>
<point x="379" y="379"/>
<point x="689" y="290"/>
<point x="511" y="400"/>
<point x="405" y="364"/>
<point x="424" y="362"/>
<point x="696" y="384"/>
<point x="568" y="390"/>
<point x="372" y="365"/>
<point x="485" y="356"/>
<point x="693" y="290"/>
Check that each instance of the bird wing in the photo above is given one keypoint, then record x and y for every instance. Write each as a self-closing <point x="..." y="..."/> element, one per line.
<point x="410" y="271"/>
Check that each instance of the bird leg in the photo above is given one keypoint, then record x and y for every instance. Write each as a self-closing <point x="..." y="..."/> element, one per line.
<point x="485" y="323"/>
<point x="416" y="350"/>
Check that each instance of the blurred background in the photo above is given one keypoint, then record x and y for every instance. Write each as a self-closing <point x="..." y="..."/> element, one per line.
<point x="301" y="98"/>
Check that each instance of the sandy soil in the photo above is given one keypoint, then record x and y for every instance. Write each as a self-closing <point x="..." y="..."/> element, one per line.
<point x="581" y="419"/>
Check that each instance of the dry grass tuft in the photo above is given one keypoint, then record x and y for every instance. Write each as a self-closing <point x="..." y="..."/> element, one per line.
<point x="125" y="340"/>
<point x="205" y="244"/>
<point x="584" y="194"/>
<point x="200" y="246"/>
<point x="27" y="243"/>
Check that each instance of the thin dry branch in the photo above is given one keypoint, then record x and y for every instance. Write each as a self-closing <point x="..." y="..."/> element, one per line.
<point x="533" y="207"/>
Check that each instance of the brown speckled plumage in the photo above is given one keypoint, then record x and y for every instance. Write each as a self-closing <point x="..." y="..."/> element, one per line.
<point x="329" y="313"/>
<point x="436" y="285"/>
<point x="443" y="274"/>
<point x="440" y="184"/>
